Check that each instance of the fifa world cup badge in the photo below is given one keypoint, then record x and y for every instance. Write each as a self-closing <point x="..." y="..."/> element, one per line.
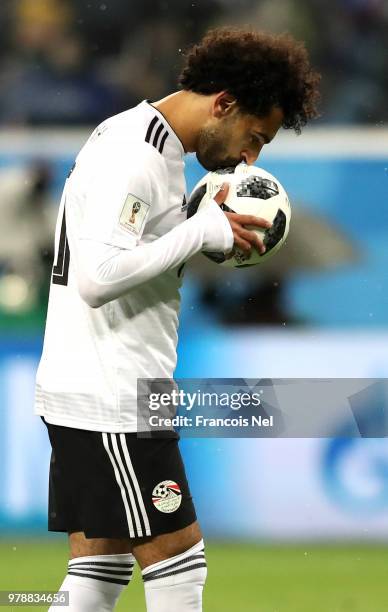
<point x="135" y="209"/>
<point x="134" y="214"/>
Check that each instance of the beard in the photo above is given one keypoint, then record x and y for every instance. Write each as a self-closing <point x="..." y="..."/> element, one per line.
<point x="212" y="152"/>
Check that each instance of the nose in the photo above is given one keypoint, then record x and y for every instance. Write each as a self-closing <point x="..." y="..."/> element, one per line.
<point x="249" y="157"/>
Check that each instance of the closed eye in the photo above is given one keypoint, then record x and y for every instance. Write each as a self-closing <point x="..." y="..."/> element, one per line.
<point x="263" y="138"/>
<point x="257" y="140"/>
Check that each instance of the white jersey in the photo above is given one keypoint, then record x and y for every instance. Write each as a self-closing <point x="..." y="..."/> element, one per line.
<point x="121" y="241"/>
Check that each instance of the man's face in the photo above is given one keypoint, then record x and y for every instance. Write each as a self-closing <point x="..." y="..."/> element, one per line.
<point x="230" y="139"/>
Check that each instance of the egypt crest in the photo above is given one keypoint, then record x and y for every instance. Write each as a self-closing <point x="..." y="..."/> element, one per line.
<point x="167" y="496"/>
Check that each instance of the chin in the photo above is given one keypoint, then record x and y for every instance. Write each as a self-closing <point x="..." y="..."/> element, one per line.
<point x="205" y="163"/>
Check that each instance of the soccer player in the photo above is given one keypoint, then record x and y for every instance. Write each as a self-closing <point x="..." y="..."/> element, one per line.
<point x="121" y="242"/>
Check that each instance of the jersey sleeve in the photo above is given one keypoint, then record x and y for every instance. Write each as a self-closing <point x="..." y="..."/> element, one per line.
<point x="117" y="189"/>
<point x="105" y="273"/>
<point x="121" y="186"/>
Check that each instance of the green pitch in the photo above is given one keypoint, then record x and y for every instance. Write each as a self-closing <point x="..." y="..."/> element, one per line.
<point x="242" y="577"/>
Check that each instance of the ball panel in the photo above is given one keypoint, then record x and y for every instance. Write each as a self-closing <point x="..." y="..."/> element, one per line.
<point x="274" y="234"/>
<point x="195" y="200"/>
<point x="257" y="187"/>
<point x="216" y="257"/>
<point x="192" y="207"/>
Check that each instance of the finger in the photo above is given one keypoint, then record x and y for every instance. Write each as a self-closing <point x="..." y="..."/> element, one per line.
<point x="253" y="239"/>
<point x="245" y="237"/>
<point x="242" y="244"/>
<point x="221" y="195"/>
<point x="251" y="220"/>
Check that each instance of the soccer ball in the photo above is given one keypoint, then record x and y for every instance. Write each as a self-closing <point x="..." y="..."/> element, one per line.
<point x="161" y="491"/>
<point x="252" y="191"/>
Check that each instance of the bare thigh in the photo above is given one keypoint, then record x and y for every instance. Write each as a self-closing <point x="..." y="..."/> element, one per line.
<point x="146" y="550"/>
<point x="80" y="546"/>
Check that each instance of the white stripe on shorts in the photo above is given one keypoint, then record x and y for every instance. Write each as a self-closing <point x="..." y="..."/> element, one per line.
<point x="119" y="482"/>
<point x="135" y="483"/>
<point x="127" y="484"/>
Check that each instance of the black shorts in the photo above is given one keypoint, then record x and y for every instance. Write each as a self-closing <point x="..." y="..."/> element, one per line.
<point x="116" y="485"/>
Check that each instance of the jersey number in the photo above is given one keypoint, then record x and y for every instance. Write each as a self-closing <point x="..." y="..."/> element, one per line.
<point x="61" y="267"/>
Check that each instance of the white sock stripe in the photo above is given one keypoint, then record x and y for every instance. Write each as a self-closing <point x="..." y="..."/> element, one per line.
<point x="127" y="484"/>
<point x="194" y="550"/>
<point x="122" y="581"/>
<point x="135" y="483"/>
<point x="183" y="565"/>
<point x="100" y="563"/>
<point x="122" y="488"/>
<point x="111" y="566"/>
<point x="126" y="558"/>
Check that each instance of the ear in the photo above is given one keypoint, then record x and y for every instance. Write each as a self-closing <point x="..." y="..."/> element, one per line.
<point x="224" y="104"/>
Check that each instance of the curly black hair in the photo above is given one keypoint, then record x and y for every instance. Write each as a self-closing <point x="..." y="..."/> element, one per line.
<point x="259" y="69"/>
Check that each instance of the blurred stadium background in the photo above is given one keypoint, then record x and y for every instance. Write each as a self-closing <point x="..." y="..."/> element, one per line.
<point x="292" y="525"/>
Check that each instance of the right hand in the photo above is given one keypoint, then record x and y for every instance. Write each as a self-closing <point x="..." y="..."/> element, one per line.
<point x="244" y="239"/>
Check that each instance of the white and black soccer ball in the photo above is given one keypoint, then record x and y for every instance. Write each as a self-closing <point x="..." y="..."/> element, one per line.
<point x="161" y="491"/>
<point x="252" y="191"/>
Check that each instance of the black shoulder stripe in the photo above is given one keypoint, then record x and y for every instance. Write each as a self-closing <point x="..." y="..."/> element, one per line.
<point x="162" y="142"/>
<point x="150" y="128"/>
<point x="154" y="137"/>
<point x="157" y="134"/>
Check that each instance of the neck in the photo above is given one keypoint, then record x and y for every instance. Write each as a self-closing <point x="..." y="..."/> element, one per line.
<point x="186" y="112"/>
